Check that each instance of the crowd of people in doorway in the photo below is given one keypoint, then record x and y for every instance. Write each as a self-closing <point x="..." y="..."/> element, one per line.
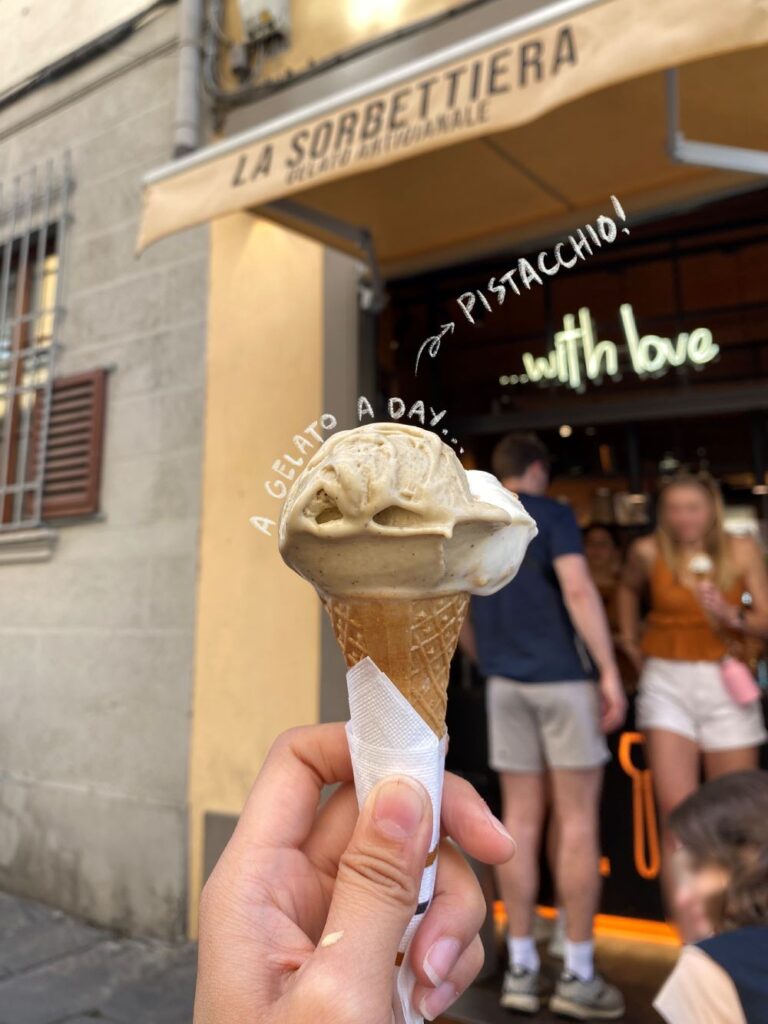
<point x="303" y="915"/>
<point x="680" y="617"/>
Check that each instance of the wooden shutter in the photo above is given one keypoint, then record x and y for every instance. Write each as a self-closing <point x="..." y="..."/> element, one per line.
<point x="72" y="473"/>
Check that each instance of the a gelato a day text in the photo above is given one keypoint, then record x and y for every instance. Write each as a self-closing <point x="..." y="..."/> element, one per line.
<point x="290" y="463"/>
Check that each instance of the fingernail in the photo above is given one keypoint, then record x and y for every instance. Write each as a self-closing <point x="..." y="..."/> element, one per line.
<point x="399" y="807"/>
<point x="441" y="959"/>
<point x="437" y="1002"/>
<point x="498" y="825"/>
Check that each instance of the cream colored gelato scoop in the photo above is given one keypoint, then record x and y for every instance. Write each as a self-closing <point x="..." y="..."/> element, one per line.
<point x="388" y="511"/>
<point x="701" y="565"/>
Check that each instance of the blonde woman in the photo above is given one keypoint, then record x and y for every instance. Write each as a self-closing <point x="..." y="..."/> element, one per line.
<point x="695" y="574"/>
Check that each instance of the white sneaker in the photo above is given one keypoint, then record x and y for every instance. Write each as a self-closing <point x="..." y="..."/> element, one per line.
<point x="520" y="990"/>
<point x="586" y="1000"/>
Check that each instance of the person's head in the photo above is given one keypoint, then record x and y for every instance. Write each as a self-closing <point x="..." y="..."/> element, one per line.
<point x="723" y="857"/>
<point x="601" y="546"/>
<point x="690" y="514"/>
<point x="522" y="462"/>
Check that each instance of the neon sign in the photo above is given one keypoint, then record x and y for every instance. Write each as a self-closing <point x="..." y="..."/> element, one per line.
<point x="577" y="358"/>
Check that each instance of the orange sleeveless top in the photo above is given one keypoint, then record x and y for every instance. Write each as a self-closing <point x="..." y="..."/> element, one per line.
<point x="677" y="626"/>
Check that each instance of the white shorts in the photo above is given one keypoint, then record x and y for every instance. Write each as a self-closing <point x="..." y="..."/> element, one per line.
<point x="689" y="698"/>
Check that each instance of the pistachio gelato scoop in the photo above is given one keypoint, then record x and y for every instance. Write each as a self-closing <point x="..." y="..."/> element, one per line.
<point x="386" y="510"/>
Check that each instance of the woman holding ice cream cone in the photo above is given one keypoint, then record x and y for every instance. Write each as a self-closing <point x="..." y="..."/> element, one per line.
<point x="698" y="703"/>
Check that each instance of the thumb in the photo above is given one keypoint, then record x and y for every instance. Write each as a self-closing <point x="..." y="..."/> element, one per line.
<point x="377" y="885"/>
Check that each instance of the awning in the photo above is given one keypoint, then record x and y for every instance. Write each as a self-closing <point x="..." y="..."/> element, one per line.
<point x="476" y="89"/>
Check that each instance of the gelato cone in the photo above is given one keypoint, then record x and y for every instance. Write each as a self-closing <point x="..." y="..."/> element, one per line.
<point x="412" y="641"/>
<point x="701" y="565"/>
<point x="394" y="534"/>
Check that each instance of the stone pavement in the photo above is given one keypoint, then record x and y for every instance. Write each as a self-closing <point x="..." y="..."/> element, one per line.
<point x="57" y="970"/>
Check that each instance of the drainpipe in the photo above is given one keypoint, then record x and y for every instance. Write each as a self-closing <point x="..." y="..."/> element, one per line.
<point x="186" y="129"/>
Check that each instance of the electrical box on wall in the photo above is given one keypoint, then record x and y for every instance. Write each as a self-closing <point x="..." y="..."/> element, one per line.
<point x="266" y="20"/>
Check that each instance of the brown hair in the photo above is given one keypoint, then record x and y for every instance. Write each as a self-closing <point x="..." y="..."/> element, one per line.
<point x="725" y="822"/>
<point x="516" y="452"/>
<point x="716" y="540"/>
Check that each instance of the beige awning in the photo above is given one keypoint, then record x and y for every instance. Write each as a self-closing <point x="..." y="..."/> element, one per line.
<point x="395" y="130"/>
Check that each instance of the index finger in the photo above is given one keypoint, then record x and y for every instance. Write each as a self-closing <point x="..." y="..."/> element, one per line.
<point x="467" y="818"/>
<point x="282" y="804"/>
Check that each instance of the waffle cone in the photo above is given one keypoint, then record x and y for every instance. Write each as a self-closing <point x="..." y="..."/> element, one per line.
<point x="412" y="641"/>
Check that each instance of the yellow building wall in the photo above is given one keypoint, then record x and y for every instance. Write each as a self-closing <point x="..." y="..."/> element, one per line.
<point x="257" y="665"/>
<point x="323" y="28"/>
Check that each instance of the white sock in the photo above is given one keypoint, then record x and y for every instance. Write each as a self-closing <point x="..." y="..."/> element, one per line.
<point x="580" y="959"/>
<point x="523" y="952"/>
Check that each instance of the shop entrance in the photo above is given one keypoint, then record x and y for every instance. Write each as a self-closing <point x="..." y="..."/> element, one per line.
<point x="652" y="352"/>
<point x="647" y="358"/>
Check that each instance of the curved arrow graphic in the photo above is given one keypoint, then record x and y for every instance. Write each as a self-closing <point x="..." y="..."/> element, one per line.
<point x="433" y="343"/>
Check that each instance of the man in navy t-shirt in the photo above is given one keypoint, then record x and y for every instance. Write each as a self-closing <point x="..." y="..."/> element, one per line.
<point x="553" y="691"/>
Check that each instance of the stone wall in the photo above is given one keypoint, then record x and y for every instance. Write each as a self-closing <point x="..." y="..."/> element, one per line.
<point x="96" y="645"/>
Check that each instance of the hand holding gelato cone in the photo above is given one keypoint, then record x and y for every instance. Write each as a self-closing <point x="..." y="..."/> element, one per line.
<point x="395" y="535"/>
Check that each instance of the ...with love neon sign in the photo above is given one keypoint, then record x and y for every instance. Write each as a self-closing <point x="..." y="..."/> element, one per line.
<point x="577" y="358"/>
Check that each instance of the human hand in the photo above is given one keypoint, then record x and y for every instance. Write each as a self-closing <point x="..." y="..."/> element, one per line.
<point x="613" y="700"/>
<point x="715" y="605"/>
<point x="302" y="916"/>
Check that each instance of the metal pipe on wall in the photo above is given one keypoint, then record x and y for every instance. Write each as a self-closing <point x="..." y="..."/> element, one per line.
<point x="186" y="128"/>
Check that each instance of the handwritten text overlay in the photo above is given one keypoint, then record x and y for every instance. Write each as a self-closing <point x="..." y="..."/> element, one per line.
<point x="566" y="254"/>
<point x="287" y="466"/>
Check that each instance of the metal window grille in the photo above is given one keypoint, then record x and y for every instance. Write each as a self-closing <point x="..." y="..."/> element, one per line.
<point x="33" y="221"/>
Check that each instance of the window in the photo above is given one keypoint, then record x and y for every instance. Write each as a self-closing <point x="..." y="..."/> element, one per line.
<point x="50" y="429"/>
<point x="27" y="290"/>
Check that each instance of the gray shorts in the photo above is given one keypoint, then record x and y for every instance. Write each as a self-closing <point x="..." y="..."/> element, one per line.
<point x="535" y="726"/>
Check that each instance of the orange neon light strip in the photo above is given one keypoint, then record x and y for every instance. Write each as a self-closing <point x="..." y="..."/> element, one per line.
<point x="645" y="832"/>
<point x="611" y="926"/>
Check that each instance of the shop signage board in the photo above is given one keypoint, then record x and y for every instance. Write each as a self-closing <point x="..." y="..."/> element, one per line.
<point x="562" y="52"/>
<point x="577" y="358"/>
